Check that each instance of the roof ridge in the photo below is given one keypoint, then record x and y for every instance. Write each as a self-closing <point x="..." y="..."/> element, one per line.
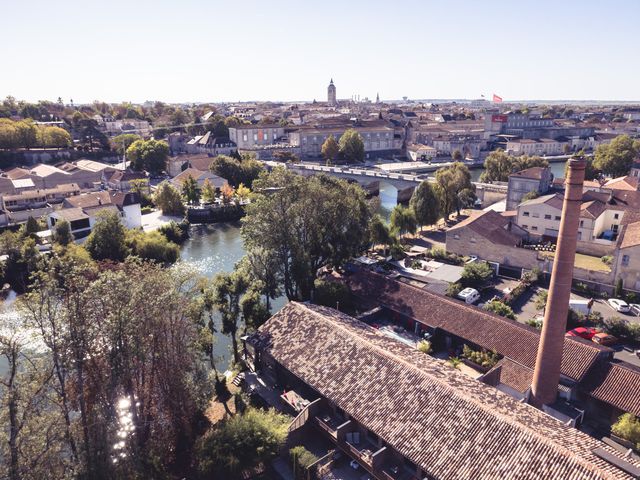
<point x="512" y="420"/>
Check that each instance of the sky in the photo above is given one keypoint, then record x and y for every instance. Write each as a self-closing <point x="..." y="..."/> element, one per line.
<point x="214" y="51"/>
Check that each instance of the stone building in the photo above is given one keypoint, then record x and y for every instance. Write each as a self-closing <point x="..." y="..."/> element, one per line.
<point x="331" y="94"/>
<point x="535" y="179"/>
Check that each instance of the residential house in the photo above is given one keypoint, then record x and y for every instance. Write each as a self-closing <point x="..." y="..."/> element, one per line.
<point x="535" y="179"/>
<point x="200" y="177"/>
<point x="20" y="206"/>
<point x="121" y="179"/>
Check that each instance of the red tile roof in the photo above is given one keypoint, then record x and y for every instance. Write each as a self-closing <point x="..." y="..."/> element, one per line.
<point x="616" y="383"/>
<point x="488" y="330"/>
<point x="448" y="424"/>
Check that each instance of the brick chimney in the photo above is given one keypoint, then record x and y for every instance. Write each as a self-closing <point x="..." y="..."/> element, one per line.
<point x="546" y="375"/>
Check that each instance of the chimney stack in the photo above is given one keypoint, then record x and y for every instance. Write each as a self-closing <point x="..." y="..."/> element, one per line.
<point x="546" y="376"/>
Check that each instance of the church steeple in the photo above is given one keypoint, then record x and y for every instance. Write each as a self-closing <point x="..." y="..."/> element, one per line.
<point x="331" y="94"/>
<point x="377" y="98"/>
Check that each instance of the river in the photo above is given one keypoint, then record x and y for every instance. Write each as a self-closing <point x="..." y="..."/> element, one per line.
<point x="557" y="168"/>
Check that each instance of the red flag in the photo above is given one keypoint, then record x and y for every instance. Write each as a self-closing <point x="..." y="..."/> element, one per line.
<point x="496" y="98"/>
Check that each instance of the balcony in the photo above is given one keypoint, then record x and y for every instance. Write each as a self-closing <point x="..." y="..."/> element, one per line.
<point x="363" y="450"/>
<point x="396" y="471"/>
<point x="329" y="424"/>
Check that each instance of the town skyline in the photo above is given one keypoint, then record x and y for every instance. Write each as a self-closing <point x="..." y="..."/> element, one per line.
<point x="539" y="51"/>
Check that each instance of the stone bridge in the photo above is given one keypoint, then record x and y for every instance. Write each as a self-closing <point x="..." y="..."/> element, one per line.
<point x="405" y="184"/>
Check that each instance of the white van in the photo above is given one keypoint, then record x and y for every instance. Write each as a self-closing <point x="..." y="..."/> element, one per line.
<point x="469" y="295"/>
<point x="580" y="306"/>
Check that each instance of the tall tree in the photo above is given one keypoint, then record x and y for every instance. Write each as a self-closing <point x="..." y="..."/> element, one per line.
<point x="236" y="171"/>
<point x="208" y="191"/>
<point x="150" y="155"/>
<point x="62" y="233"/>
<point x="227" y="291"/>
<point x="330" y="150"/>
<point x="450" y="182"/>
<point x="306" y="223"/>
<point x="499" y="165"/>
<point x="107" y="238"/>
<point x="168" y="199"/>
<point x="121" y="143"/>
<point x="379" y="233"/>
<point x="190" y="190"/>
<point x="616" y="158"/>
<point x="352" y="146"/>
<point x="403" y="220"/>
<point x="425" y="204"/>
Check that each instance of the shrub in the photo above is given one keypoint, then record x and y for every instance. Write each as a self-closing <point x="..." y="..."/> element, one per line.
<point x="438" y="253"/>
<point x="176" y="232"/>
<point x="628" y="427"/>
<point x="454" y="289"/>
<point x="152" y="246"/>
<point x="454" y="362"/>
<point x="476" y="274"/>
<point x="496" y="306"/>
<point x="541" y="299"/>
<point x="146" y="210"/>
<point x="607" y="259"/>
<point x="302" y="459"/>
<point x="622" y="329"/>
<point x="333" y="294"/>
<point x="532" y="322"/>
<point x="480" y="357"/>
<point x="424" y="346"/>
<point x="396" y="251"/>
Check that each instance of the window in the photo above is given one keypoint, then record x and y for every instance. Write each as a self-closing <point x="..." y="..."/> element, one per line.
<point x="547" y="217"/>
<point x="625" y="260"/>
<point x="534" y="228"/>
<point x="255" y="137"/>
<point x="582" y="223"/>
<point x="535" y="215"/>
<point x="244" y="137"/>
<point x="557" y="218"/>
<point x="525" y="226"/>
<point x="616" y="216"/>
<point x="525" y="214"/>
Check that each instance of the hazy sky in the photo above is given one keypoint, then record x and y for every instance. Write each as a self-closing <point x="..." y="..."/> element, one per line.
<point x="199" y="50"/>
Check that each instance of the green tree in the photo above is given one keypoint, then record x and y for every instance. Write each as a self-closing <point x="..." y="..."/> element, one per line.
<point x="476" y="274"/>
<point x="457" y="156"/>
<point x="425" y="204"/>
<point x="62" y="233"/>
<point x="451" y="183"/>
<point x="242" y="442"/>
<point x="168" y="199"/>
<point x="190" y="190"/>
<point x="226" y="293"/>
<point x="32" y="227"/>
<point x="330" y="150"/>
<point x="243" y="192"/>
<point x="403" y="220"/>
<point x="306" y="224"/>
<point x="236" y="171"/>
<point x="351" y="146"/>
<point x="616" y="158"/>
<point x="208" y="191"/>
<point x="499" y="165"/>
<point x="53" y="137"/>
<point x="150" y="155"/>
<point x="121" y="143"/>
<point x="152" y="246"/>
<point x="628" y="427"/>
<point x="379" y="233"/>
<point x="500" y="308"/>
<point x="107" y="238"/>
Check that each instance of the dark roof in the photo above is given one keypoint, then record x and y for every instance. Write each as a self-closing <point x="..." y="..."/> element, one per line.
<point x="126" y="176"/>
<point x="448" y="424"/>
<point x="616" y="383"/>
<point x="485" y="329"/>
<point x="533" y="172"/>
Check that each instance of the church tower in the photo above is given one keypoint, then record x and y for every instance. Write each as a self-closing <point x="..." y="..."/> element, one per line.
<point x="331" y="94"/>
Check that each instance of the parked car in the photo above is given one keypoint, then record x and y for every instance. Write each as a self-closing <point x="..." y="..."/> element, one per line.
<point x="618" y="305"/>
<point x="583" y="332"/>
<point x="604" y="339"/>
<point x="469" y="295"/>
<point x="634" y="308"/>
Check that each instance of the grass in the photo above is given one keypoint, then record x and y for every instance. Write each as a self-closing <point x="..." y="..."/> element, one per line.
<point x="586" y="262"/>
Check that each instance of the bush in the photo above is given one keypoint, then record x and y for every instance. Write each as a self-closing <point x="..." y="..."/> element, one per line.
<point x="146" y="210"/>
<point x="438" y="253"/>
<point x="152" y="246"/>
<point x="482" y="357"/>
<point x="607" y="259"/>
<point x="396" y="251"/>
<point x="541" y="299"/>
<point x="532" y="322"/>
<point x="628" y="427"/>
<point x="176" y="232"/>
<point x="496" y="306"/>
<point x="476" y="274"/>
<point x="424" y="346"/>
<point x="453" y="289"/>
<point x="302" y="459"/>
<point x="622" y="329"/>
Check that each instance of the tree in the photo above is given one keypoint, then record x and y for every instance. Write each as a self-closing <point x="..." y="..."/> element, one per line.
<point x="62" y="233"/>
<point x="590" y="172"/>
<point x="499" y="165"/>
<point x="107" y="238"/>
<point x="403" y="220"/>
<point x="476" y="274"/>
<point x="533" y="194"/>
<point x="457" y="156"/>
<point x="226" y="292"/>
<point x="242" y="442"/>
<point x="190" y="190"/>
<point x="150" y="155"/>
<point x="330" y="150"/>
<point x="168" y="199"/>
<point x="227" y="193"/>
<point x="379" y="233"/>
<point x="617" y="157"/>
<point x="262" y="269"/>
<point x="496" y="306"/>
<point x="152" y="246"/>
<point x="306" y="224"/>
<point x="236" y="171"/>
<point x="451" y="182"/>
<point x="425" y="204"/>
<point x="208" y="191"/>
<point x="32" y="227"/>
<point x="286" y="157"/>
<point x="121" y="143"/>
<point x="243" y="192"/>
<point x="351" y="146"/>
<point x="53" y="137"/>
<point x="628" y="427"/>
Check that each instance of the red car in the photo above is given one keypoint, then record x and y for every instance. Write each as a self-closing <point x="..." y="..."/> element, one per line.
<point x="583" y="332"/>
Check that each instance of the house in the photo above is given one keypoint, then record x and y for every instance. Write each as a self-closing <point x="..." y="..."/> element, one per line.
<point x="417" y="152"/>
<point x="121" y="179"/>
<point x="200" y="177"/>
<point x="535" y="179"/>
<point x="20" y="206"/>
<point x="81" y="211"/>
<point x="402" y="414"/>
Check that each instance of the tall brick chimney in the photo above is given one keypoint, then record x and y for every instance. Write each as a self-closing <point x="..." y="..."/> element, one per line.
<point x="546" y="375"/>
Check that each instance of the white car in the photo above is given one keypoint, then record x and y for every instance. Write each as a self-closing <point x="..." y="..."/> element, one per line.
<point x="618" y="305"/>
<point x="469" y="295"/>
<point x="635" y="309"/>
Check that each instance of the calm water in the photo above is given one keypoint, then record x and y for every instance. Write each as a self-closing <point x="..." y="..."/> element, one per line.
<point x="212" y="249"/>
<point x="557" y="168"/>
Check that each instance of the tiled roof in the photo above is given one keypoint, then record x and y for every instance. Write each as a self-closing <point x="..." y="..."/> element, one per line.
<point x="615" y="383"/>
<point x="515" y="375"/>
<point x="631" y="235"/>
<point x="533" y="172"/>
<point x="491" y="225"/>
<point x="488" y="330"/>
<point x="448" y="424"/>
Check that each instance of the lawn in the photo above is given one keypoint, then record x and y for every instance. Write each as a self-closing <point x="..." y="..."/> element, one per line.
<point x="586" y="262"/>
